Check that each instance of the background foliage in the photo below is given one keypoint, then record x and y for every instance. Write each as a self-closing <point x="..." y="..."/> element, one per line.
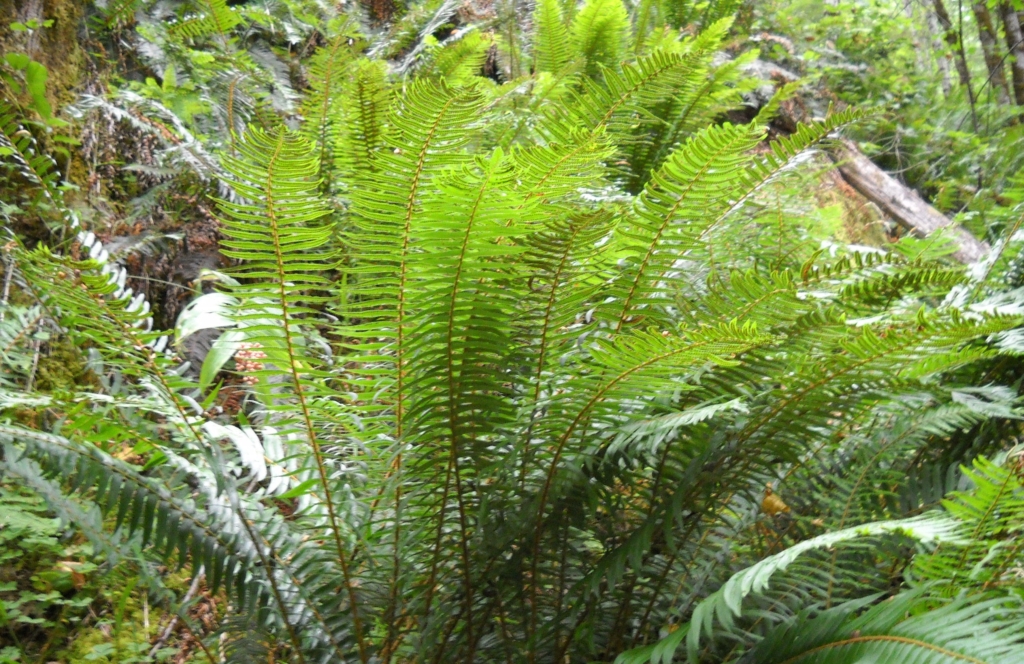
<point x="511" y="332"/>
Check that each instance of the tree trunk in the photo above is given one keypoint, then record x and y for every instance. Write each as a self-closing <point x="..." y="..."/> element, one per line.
<point x="952" y="37"/>
<point x="990" y="48"/>
<point x="940" y="56"/>
<point x="922" y="40"/>
<point x="1015" y="46"/>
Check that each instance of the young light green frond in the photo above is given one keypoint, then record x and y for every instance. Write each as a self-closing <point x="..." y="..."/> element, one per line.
<point x="676" y="214"/>
<point x="560" y="169"/>
<point x="323" y="108"/>
<point x="459" y="61"/>
<point x="277" y="231"/>
<point x="598" y="35"/>
<point x="428" y="126"/>
<point x="364" y="107"/>
<point x="626" y="94"/>
<point x="551" y="45"/>
<point x="211" y="17"/>
<point x="714" y="91"/>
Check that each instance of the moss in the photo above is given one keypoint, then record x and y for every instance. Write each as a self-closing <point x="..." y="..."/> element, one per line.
<point x="57" y="47"/>
<point x="105" y="644"/>
<point x="63" y="368"/>
<point x="860" y="221"/>
<point x="108" y="643"/>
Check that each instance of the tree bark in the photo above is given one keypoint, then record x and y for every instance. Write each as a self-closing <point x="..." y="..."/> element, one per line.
<point x="939" y="53"/>
<point x="901" y="203"/>
<point x="952" y="38"/>
<point x="990" y="48"/>
<point x="1015" y="47"/>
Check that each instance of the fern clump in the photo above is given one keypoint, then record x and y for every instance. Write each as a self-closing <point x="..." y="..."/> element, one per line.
<point x="508" y="371"/>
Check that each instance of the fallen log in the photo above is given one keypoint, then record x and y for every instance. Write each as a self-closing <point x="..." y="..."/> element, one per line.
<point x="901" y="203"/>
<point x="897" y="201"/>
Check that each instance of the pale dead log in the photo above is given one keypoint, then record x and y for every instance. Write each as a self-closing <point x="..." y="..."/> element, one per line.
<point x="904" y="205"/>
<point x="897" y="201"/>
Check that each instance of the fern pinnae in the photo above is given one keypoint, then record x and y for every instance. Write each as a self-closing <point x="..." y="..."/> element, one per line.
<point x="400" y="332"/>
<point x="705" y="345"/>
<point x="287" y="158"/>
<point x="56" y="447"/>
<point x="1007" y="483"/>
<point x="453" y="406"/>
<point x="713" y="151"/>
<point x="599" y="33"/>
<point x="362" y="133"/>
<point x="550" y="38"/>
<point x="327" y="73"/>
<point x="427" y="127"/>
<point x="646" y="73"/>
<point x="216" y="19"/>
<point x="545" y="328"/>
<point x="93" y="291"/>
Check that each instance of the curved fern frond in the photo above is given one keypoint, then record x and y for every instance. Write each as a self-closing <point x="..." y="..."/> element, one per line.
<point x="427" y="128"/>
<point x="687" y="200"/>
<point x="726" y="603"/>
<point x="902" y="629"/>
<point x="364" y="107"/>
<point x="328" y="73"/>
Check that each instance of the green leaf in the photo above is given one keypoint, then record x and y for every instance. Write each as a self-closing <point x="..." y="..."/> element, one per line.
<point x="222" y="350"/>
<point x="18" y="60"/>
<point x="300" y="490"/>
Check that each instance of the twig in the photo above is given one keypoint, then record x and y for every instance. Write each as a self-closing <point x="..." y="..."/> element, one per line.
<point x="35" y="365"/>
<point x="166" y="633"/>
<point x="8" y="273"/>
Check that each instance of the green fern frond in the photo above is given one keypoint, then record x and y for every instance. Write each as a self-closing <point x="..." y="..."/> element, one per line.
<point x="365" y="107"/>
<point x="20" y="152"/>
<point x="278" y="233"/>
<point x="88" y="520"/>
<point x="214" y="17"/>
<point x="598" y="35"/>
<point x="139" y="502"/>
<point x="675" y="214"/>
<point x="905" y="628"/>
<point x="726" y="604"/>
<point x="329" y="69"/>
<point x="427" y="129"/>
<point x="991" y="512"/>
<point x="459" y="60"/>
<point x="551" y="46"/>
